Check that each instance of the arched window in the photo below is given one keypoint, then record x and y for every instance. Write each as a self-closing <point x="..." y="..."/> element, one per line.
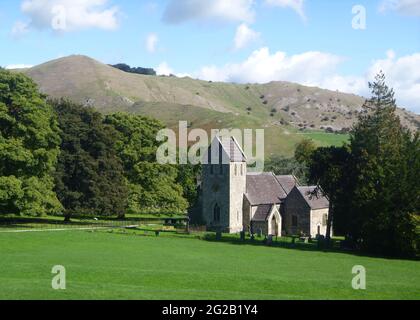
<point x="236" y="169"/>
<point x="216" y="213"/>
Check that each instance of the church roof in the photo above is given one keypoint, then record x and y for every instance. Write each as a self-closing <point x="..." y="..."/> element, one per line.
<point x="264" y="188"/>
<point x="228" y="147"/>
<point x="263" y="212"/>
<point x="314" y="201"/>
<point x="233" y="149"/>
<point x="287" y="182"/>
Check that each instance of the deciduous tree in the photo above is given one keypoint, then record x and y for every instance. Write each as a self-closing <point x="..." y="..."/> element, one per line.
<point x="29" y="147"/>
<point x="153" y="187"/>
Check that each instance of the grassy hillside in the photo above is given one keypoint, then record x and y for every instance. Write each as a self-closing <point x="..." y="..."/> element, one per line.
<point x="283" y="109"/>
<point x="116" y="266"/>
<point x="278" y="139"/>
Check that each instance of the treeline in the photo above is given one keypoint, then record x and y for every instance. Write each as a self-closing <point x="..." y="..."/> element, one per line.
<point x="139" y="70"/>
<point x="373" y="181"/>
<point x="59" y="158"/>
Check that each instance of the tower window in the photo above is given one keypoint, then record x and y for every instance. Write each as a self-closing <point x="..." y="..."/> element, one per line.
<point x="236" y="169"/>
<point x="221" y="169"/>
<point x="211" y="169"/>
<point x="216" y="213"/>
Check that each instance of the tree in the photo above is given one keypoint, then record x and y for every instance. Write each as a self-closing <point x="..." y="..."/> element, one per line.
<point x="153" y="186"/>
<point x="287" y="166"/>
<point x="304" y="150"/>
<point x="90" y="176"/>
<point x="328" y="171"/>
<point x="29" y="147"/>
<point x="385" y="166"/>
<point x="126" y="68"/>
<point x="187" y="178"/>
<point x="372" y="183"/>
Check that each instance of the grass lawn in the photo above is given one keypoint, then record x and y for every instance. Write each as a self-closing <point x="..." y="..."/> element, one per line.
<point x="103" y="265"/>
<point x="327" y="139"/>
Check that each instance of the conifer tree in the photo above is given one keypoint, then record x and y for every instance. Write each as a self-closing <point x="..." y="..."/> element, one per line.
<point x="385" y="166"/>
<point x="90" y="176"/>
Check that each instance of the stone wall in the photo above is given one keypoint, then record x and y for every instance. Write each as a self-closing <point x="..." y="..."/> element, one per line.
<point x="216" y="190"/>
<point x="247" y="214"/>
<point x="238" y="173"/>
<point x="224" y="185"/>
<point x="295" y="205"/>
<point x="318" y="218"/>
<point x="260" y="226"/>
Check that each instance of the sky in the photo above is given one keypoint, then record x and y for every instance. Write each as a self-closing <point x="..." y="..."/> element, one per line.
<point x="337" y="45"/>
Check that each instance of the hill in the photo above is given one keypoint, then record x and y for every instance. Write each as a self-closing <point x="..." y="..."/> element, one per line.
<point x="287" y="111"/>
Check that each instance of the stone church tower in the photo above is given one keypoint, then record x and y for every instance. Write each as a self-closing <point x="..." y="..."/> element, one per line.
<point x="224" y="185"/>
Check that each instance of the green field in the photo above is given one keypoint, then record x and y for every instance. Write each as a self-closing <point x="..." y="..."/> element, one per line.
<point x="117" y="265"/>
<point x="327" y="139"/>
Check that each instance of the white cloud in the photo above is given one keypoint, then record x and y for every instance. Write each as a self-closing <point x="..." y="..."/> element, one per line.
<point x="151" y="42"/>
<point x="320" y="69"/>
<point x="403" y="74"/>
<point x="70" y="15"/>
<point x="19" y="66"/>
<point x="244" y="36"/>
<point x="19" y="29"/>
<point x="296" y="5"/>
<point x="406" y="7"/>
<point x="349" y="84"/>
<point x="164" y="69"/>
<point x="179" y="11"/>
<point x="262" y="66"/>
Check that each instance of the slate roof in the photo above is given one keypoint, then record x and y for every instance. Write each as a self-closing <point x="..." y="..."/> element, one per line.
<point x="315" y="202"/>
<point x="231" y="147"/>
<point x="264" y="188"/>
<point x="263" y="212"/>
<point x="287" y="182"/>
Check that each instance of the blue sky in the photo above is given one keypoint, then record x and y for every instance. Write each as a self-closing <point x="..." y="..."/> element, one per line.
<point x="307" y="41"/>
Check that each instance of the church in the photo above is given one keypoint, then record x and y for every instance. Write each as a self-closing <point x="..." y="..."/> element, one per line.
<point x="233" y="200"/>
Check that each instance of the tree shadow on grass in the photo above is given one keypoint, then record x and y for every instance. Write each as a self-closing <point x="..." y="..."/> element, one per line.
<point x="284" y="243"/>
<point x="40" y="223"/>
<point x="287" y="243"/>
